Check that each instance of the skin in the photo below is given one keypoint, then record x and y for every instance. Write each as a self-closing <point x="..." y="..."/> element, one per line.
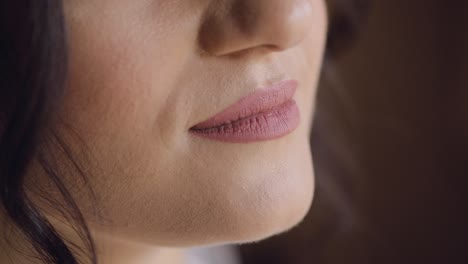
<point x="141" y="74"/>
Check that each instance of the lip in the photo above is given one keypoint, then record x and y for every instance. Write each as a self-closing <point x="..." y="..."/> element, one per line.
<point x="266" y="114"/>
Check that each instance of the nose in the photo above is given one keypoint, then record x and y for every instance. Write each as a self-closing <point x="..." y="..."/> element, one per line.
<point x="231" y="26"/>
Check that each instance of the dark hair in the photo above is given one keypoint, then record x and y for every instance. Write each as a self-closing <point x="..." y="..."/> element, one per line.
<point x="33" y="64"/>
<point x="33" y="67"/>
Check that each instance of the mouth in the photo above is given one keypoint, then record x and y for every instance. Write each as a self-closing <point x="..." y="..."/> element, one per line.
<point x="266" y="114"/>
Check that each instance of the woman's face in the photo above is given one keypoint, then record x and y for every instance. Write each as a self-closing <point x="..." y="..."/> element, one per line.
<point x="144" y="73"/>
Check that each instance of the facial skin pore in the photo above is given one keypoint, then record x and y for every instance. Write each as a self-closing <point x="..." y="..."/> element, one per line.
<point x="143" y="72"/>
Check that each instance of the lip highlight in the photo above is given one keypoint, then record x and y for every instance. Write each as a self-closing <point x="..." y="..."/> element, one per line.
<point x="266" y="114"/>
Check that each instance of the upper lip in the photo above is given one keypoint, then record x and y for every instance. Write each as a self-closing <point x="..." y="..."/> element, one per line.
<point x="259" y="101"/>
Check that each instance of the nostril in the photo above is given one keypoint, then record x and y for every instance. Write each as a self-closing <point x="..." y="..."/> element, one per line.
<point x="246" y="25"/>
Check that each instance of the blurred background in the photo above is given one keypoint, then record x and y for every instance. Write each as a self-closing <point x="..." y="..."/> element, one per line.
<point x="390" y="144"/>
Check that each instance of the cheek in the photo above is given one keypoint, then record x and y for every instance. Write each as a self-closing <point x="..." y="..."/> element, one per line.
<point x="110" y="80"/>
<point x="124" y="60"/>
<point x="120" y="77"/>
<point x="119" y="80"/>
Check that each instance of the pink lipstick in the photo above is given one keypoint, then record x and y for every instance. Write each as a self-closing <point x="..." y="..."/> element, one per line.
<point x="266" y="114"/>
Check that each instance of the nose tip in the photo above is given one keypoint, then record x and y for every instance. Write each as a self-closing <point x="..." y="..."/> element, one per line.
<point x="239" y="25"/>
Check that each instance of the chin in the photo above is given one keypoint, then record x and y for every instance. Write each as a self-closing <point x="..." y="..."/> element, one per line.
<point x="274" y="217"/>
<point x="278" y="205"/>
<point x="259" y="212"/>
<point x="267" y="194"/>
<point x="258" y="196"/>
<point x="263" y="216"/>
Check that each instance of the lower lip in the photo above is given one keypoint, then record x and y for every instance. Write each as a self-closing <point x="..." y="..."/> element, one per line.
<point x="272" y="124"/>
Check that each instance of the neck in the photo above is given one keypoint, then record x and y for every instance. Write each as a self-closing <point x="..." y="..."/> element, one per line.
<point x="15" y="249"/>
<point x="118" y="251"/>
